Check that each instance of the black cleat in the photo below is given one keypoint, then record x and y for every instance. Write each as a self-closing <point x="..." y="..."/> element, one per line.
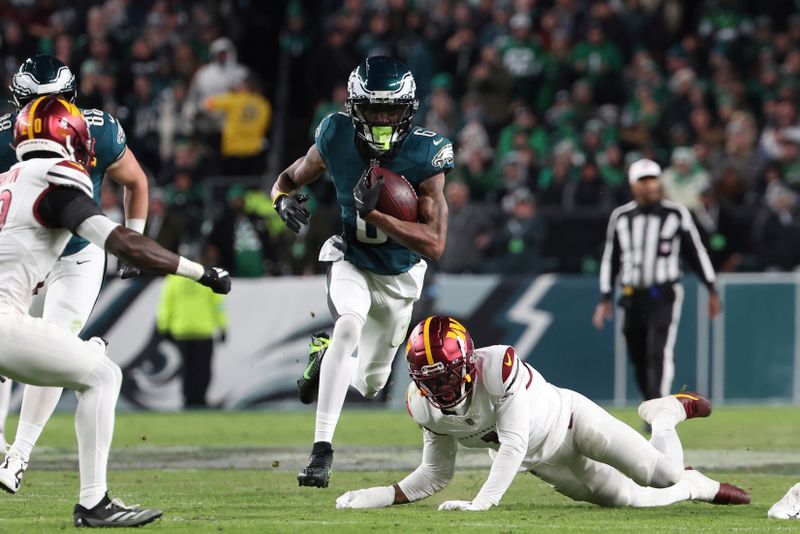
<point x="308" y="384"/>
<point x="318" y="471"/>
<point x="113" y="513"/>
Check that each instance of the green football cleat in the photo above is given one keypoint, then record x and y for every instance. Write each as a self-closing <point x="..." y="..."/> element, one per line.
<point x="308" y="384"/>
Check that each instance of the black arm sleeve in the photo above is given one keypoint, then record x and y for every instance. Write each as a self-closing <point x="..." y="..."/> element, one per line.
<point x="65" y="207"/>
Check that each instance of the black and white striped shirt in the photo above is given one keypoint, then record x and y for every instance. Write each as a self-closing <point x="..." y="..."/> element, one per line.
<point x="645" y="245"/>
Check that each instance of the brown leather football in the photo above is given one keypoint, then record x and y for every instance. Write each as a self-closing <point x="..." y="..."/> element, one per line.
<point x="397" y="197"/>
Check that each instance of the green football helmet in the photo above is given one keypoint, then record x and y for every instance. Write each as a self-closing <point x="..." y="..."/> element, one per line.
<point x="42" y="75"/>
<point x="381" y="99"/>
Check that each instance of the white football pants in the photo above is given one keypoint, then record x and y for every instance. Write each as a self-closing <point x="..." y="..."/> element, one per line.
<point x="606" y="462"/>
<point x="43" y="353"/>
<point x="67" y="297"/>
<point x="372" y="314"/>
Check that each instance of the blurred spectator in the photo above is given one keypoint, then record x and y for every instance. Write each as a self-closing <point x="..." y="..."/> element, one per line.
<point x="192" y="316"/>
<point x="599" y="61"/>
<point x="440" y="109"/>
<point x="517" y="245"/>
<point x="684" y="179"/>
<point x="493" y="86"/>
<point x="589" y="191"/>
<point x="242" y="239"/>
<point x="776" y="230"/>
<point x="221" y="74"/>
<point x="247" y="119"/>
<point x="143" y="122"/>
<point x="164" y="225"/>
<point x="469" y="231"/>
<point x="525" y="130"/>
<point x="523" y="57"/>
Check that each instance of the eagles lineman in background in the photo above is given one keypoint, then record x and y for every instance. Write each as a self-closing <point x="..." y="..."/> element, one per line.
<point x="376" y="270"/>
<point x="68" y="294"/>
<point x="488" y="398"/>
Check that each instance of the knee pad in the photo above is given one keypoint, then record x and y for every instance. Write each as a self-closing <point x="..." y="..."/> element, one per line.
<point x="105" y="373"/>
<point x="348" y="329"/>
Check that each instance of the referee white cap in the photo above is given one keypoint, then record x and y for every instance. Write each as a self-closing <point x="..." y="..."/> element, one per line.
<point x="641" y="168"/>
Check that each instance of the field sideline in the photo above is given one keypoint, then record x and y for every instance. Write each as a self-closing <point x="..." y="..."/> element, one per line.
<point x="235" y="472"/>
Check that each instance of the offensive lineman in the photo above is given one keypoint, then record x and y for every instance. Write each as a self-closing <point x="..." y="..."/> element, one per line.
<point x="376" y="271"/>
<point x="70" y="290"/>
<point x="44" y="199"/>
<point x="489" y="398"/>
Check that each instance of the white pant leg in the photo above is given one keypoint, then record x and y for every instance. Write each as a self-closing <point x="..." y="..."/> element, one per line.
<point x="40" y="352"/>
<point x="603" y="437"/>
<point x="5" y="401"/>
<point x="349" y="300"/>
<point x="384" y="331"/>
<point x="386" y="326"/>
<point x="600" y="459"/>
<point x="71" y="289"/>
<point x="584" y="479"/>
<point x="67" y="297"/>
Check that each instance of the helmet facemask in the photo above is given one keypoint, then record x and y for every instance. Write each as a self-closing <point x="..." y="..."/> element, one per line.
<point x="381" y="99"/>
<point x="381" y="125"/>
<point x="446" y="386"/>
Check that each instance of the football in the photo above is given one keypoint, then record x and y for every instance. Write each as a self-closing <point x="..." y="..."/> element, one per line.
<point x="397" y="197"/>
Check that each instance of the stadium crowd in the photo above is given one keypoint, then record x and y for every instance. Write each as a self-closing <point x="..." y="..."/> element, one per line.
<point x="547" y="102"/>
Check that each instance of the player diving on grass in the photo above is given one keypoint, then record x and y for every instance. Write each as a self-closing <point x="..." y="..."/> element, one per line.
<point x="489" y="398"/>
<point x="44" y="200"/>
<point x="376" y="271"/>
<point x="68" y="293"/>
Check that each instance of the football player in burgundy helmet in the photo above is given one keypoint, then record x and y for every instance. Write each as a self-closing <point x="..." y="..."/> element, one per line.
<point x="44" y="200"/>
<point x="489" y="398"/>
<point x="69" y="292"/>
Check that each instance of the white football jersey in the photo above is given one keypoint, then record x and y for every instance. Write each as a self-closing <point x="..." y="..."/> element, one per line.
<point x="498" y="372"/>
<point x="28" y="248"/>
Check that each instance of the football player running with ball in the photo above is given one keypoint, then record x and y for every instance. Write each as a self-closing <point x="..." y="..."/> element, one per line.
<point x="68" y="293"/>
<point x="376" y="269"/>
<point x="489" y="398"/>
<point x="44" y="200"/>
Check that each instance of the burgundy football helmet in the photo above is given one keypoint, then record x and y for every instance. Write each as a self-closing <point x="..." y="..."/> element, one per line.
<point x="54" y="125"/>
<point x="439" y="354"/>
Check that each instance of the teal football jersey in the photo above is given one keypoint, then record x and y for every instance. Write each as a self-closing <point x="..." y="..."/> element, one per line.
<point x="109" y="145"/>
<point x="422" y="155"/>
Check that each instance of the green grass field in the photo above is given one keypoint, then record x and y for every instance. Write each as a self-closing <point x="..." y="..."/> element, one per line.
<point x="235" y="472"/>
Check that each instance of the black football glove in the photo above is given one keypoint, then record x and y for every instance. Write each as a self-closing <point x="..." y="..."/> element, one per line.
<point x="217" y="279"/>
<point x="125" y="271"/>
<point x="291" y="210"/>
<point x="366" y="193"/>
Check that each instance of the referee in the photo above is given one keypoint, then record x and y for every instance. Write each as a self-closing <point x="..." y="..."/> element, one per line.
<point x="645" y="242"/>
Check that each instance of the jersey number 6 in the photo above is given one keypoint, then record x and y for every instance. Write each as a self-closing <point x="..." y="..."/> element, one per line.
<point x="368" y="234"/>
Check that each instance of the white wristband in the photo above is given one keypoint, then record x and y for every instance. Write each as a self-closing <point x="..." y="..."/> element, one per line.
<point x="137" y="225"/>
<point x="189" y="269"/>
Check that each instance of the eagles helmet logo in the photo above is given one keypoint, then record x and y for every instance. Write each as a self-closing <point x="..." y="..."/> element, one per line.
<point x="42" y="75"/>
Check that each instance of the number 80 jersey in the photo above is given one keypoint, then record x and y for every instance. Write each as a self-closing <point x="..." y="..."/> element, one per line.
<point x="109" y="146"/>
<point x="422" y="155"/>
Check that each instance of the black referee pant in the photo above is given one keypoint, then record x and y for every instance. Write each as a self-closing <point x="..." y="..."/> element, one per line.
<point x="651" y="322"/>
<point x="196" y="355"/>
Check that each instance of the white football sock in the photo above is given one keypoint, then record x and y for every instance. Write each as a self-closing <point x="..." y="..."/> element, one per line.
<point x="94" y="426"/>
<point x="665" y="439"/>
<point x="645" y="497"/>
<point x="335" y="373"/>
<point x="5" y="402"/>
<point x="38" y="404"/>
